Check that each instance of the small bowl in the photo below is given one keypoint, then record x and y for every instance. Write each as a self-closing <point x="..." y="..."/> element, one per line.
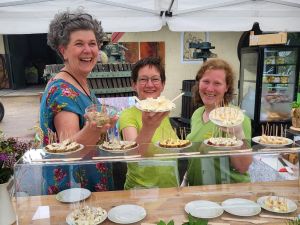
<point x="101" y="114"/>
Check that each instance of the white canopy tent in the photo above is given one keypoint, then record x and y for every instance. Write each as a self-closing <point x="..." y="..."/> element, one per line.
<point x="33" y="16"/>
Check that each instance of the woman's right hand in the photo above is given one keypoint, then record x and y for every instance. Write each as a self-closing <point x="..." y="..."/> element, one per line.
<point x="152" y="120"/>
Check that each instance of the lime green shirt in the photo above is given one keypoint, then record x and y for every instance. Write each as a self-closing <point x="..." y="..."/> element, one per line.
<point x="212" y="170"/>
<point x="149" y="173"/>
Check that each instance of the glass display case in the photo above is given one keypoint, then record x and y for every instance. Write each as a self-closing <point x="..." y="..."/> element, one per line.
<point x="268" y="84"/>
<point x="239" y="203"/>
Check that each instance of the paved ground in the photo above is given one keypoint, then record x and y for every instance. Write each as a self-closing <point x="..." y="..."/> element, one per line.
<point x="21" y="112"/>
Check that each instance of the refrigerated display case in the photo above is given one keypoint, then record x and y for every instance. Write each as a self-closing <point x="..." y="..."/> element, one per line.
<point x="268" y="84"/>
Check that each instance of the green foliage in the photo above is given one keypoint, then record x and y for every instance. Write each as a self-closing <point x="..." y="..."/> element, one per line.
<point x="293" y="222"/>
<point x="295" y="105"/>
<point x="192" y="221"/>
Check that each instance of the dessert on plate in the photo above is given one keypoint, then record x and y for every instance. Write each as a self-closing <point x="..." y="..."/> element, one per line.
<point x="174" y="143"/>
<point x="87" y="215"/>
<point x="118" y="145"/>
<point x="227" y="116"/>
<point x="222" y="141"/>
<point x="65" y="146"/>
<point x="276" y="204"/>
<point x="275" y="140"/>
<point x="160" y="104"/>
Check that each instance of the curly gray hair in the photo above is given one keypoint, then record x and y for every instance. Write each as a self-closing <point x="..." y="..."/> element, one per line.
<point x="65" y="23"/>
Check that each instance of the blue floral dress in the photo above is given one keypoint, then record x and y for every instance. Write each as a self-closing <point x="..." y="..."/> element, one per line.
<point x="60" y="96"/>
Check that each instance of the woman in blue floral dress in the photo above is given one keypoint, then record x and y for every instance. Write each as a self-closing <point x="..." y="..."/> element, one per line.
<point x="76" y="37"/>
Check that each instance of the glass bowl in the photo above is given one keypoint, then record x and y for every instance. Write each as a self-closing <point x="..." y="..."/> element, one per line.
<point x="101" y="114"/>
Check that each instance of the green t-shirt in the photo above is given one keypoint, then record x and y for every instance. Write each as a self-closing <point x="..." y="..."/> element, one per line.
<point x="149" y="173"/>
<point x="212" y="170"/>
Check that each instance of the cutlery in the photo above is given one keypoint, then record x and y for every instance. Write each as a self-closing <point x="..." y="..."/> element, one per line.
<point x="278" y="217"/>
<point x="288" y="169"/>
<point x="178" y="96"/>
<point x="56" y="160"/>
<point x="245" y="220"/>
<point x="117" y="157"/>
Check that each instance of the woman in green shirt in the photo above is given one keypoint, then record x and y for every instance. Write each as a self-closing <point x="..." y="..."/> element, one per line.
<point x="214" y="86"/>
<point x="148" y="78"/>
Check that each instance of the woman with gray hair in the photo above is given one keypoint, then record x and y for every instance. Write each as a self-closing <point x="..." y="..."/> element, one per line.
<point x="76" y="37"/>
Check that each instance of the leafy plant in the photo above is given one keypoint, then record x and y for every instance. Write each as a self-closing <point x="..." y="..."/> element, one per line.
<point x="295" y="105"/>
<point x="11" y="150"/>
<point x="293" y="222"/>
<point x="192" y="221"/>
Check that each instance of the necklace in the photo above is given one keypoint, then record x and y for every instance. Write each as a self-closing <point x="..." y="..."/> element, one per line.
<point x="67" y="72"/>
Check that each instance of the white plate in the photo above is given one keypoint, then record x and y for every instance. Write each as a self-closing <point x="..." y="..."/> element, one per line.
<point x="226" y="122"/>
<point x="119" y="151"/>
<point x="189" y="145"/>
<point x="155" y="110"/>
<point x="70" y="219"/>
<point x="64" y="153"/>
<point x="241" y="207"/>
<point x="291" y="206"/>
<point x="238" y="144"/>
<point x="257" y="138"/>
<point x="73" y="195"/>
<point x="204" y="209"/>
<point x="125" y="214"/>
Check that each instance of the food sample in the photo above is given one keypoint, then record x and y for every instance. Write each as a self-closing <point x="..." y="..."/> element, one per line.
<point x="118" y="145"/>
<point x="100" y="118"/>
<point x="222" y="141"/>
<point x="226" y="116"/>
<point x="66" y="146"/>
<point x="174" y="143"/>
<point x="87" y="216"/>
<point x="276" y="204"/>
<point x="275" y="140"/>
<point x="160" y="104"/>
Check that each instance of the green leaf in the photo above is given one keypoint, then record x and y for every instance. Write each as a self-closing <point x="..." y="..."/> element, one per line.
<point x="171" y="222"/>
<point x="161" y="223"/>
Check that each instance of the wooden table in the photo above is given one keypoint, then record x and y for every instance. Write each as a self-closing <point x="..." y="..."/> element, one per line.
<point x="166" y="203"/>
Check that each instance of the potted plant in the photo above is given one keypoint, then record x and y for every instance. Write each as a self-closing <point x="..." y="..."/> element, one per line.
<point x="11" y="150"/>
<point x="295" y="114"/>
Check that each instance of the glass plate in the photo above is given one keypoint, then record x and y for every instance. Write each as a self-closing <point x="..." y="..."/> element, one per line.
<point x="257" y="138"/>
<point x="227" y="112"/>
<point x="291" y="206"/>
<point x="73" y="195"/>
<point x="126" y="214"/>
<point x="241" y="207"/>
<point x="189" y="145"/>
<point x="238" y="144"/>
<point x="204" y="209"/>
<point x="156" y="110"/>
<point x="64" y="153"/>
<point x="70" y="219"/>
<point x="119" y="150"/>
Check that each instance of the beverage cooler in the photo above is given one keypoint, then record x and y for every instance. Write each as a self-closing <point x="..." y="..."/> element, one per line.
<point x="268" y="84"/>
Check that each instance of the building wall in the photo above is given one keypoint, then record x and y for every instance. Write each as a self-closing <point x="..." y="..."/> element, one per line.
<point x="225" y="47"/>
<point x="1" y="45"/>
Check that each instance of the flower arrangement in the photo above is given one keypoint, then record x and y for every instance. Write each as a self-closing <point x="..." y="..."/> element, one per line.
<point x="11" y="150"/>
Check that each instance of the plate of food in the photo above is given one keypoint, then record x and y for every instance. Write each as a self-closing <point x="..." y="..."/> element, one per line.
<point x="86" y="215"/>
<point x="241" y="207"/>
<point x="73" y="195"/>
<point x="277" y="204"/>
<point x="204" y="209"/>
<point x="160" y="104"/>
<point x="117" y="146"/>
<point x="64" y="148"/>
<point x="223" y="142"/>
<point x="272" y="141"/>
<point x="171" y="143"/>
<point x="126" y="214"/>
<point x="227" y="116"/>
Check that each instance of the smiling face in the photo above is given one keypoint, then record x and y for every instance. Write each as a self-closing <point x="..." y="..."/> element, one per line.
<point x="212" y="87"/>
<point x="81" y="53"/>
<point x="148" y="84"/>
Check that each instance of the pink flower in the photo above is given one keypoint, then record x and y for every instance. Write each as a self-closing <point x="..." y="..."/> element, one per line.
<point x="100" y="187"/>
<point x="101" y="167"/>
<point x="59" y="174"/>
<point x="52" y="190"/>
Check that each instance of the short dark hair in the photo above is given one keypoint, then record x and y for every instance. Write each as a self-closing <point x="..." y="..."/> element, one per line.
<point x="215" y="64"/>
<point x="65" y="23"/>
<point x="150" y="61"/>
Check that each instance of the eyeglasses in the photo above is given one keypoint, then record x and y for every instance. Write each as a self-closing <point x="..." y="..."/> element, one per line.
<point x="145" y="80"/>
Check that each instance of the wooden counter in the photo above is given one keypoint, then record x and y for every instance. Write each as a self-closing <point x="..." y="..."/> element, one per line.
<point x="166" y="204"/>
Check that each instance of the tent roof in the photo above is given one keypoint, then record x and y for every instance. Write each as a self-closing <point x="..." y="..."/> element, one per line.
<point x="34" y="16"/>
